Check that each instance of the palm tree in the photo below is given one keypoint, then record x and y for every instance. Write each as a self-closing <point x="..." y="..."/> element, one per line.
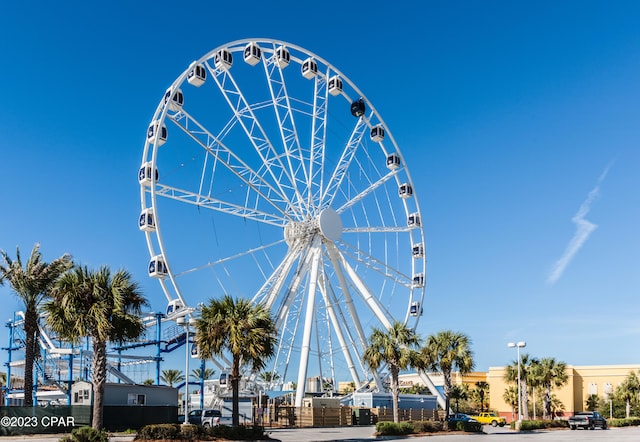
<point x="445" y="351"/>
<point x="171" y="376"/>
<point x="103" y="306"/>
<point x="197" y="373"/>
<point x="556" y="406"/>
<point x="511" y="375"/>
<point x="510" y="396"/>
<point x="592" y="402"/>
<point x="628" y="391"/>
<point x="397" y="348"/>
<point x="459" y="392"/>
<point x="549" y="373"/>
<point x="269" y="377"/>
<point x="244" y="329"/>
<point x="32" y="284"/>
<point x="481" y="390"/>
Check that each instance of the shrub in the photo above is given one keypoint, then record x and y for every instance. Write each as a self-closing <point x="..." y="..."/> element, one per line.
<point x="470" y="427"/>
<point x="394" y="429"/>
<point x="192" y="432"/>
<point x="624" y="422"/>
<point x="540" y="424"/>
<point x="85" y="434"/>
<point x="237" y="433"/>
<point x="427" y="426"/>
<point x="159" y="431"/>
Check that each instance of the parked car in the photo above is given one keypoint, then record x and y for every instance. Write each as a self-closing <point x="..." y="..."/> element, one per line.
<point x="491" y="418"/>
<point x="587" y="419"/>
<point x="460" y="417"/>
<point x="206" y="418"/>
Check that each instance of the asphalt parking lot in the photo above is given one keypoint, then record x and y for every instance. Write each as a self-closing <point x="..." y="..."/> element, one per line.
<point x="357" y="434"/>
<point x="362" y="434"/>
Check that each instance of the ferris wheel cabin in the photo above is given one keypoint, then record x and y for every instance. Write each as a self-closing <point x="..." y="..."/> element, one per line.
<point x="146" y="221"/>
<point x="393" y="161"/>
<point x="418" y="280"/>
<point x="223" y="59"/>
<point x="146" y="176"/>
<point x="174" y="307"/>
<point x="309" y="68"/>
<point x="157" y="134"/>
<point x="358" y="108"/>
<point x="158" y="267"/>
<point x="405" y="190"/>
<point x="177" y="99"/>
<point x="252" y="54"/>
<point x="414" y="220"/>
<point x="377" y="133"/>
<point x="197" y="76"/>
<point x="335" y="85"/>
<point x="283" y="57"/>
<point x="417" y="251"/>
<point x="415" y="309"/>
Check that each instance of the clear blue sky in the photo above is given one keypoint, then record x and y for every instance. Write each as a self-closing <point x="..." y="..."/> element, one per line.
<point x="520" y="121"/>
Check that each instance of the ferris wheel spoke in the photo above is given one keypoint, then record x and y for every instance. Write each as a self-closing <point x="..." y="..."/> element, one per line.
<point x="231" y="161"/>
<point x="222" y="261"/>
<point x="368" y="191"/>
<point x="254" y="131"/>
<point x="286" y="122"/>
<point x="268" y="293"/>
<point x="377" y="265"/>
<point x="318" y="138"/>
<point x="344" y="163"/>
<point x="377" y="229"/>
<point x="209" y="202"/>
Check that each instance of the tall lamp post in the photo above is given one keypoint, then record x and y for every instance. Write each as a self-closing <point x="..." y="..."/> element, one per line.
<point x="518" y="346"/>
<point x="184" y="322"/>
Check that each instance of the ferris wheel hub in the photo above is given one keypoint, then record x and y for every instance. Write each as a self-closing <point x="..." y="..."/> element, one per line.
<point x="328" y="224"/>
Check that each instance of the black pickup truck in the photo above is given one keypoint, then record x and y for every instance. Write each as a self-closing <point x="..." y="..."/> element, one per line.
<point x="587" y="419"/>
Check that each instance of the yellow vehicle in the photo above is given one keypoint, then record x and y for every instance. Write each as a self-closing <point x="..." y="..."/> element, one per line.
<point x="490" y="418"/>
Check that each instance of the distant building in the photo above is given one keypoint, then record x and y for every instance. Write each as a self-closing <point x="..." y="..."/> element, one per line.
<point x="583" y="381"/>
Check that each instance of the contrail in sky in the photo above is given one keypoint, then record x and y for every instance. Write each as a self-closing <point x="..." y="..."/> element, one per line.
<point x="584" y="228"/>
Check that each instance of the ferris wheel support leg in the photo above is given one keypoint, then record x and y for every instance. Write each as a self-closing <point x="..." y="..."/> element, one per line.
<point x="429" y="383"/>
<point x="334" y="256"/>
<point x="308" y="324"/>
<point x="368" y="297"/>
<point x="340" y="336"/>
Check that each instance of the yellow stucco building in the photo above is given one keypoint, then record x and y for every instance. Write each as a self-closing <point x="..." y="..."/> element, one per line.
<point x="583" y="381"/>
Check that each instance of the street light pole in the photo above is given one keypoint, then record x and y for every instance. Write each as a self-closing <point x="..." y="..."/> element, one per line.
<point x="185" y="323"/>
<point x="518" y="346"/>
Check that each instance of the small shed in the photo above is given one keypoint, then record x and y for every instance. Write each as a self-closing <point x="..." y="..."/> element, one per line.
<point x="125" y="394"/>
<point x="385" y="400"/>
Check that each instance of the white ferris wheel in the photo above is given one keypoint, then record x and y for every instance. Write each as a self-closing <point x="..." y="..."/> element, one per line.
<point x="268" y="175"/>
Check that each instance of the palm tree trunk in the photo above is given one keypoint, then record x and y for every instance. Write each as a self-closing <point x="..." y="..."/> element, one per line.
<point x="99" y="377"/>
<point x="235" y="383"/>
<point x="30" y="329"/>
<point x="446" y="374"/>
<point x="395" y="392"/>
<point x="547" y="402"/>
